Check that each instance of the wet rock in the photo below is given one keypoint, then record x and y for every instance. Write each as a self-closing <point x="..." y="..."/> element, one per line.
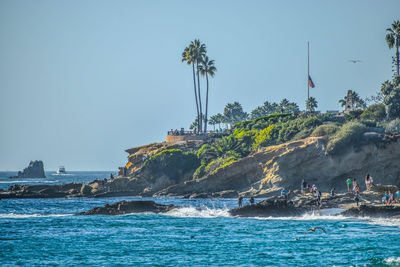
<point x="124" y="207"/>
<point x="373" y="211"/>
<point x="274" y="207"/>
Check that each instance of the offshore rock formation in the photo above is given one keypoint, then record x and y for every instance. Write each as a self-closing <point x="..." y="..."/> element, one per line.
<point x="34" y="170"/>
<point x="125" y="207"/>
<point x="42" y="191"/>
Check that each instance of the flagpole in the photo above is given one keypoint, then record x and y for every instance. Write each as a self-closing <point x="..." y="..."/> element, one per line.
<point x="308" y="70"/>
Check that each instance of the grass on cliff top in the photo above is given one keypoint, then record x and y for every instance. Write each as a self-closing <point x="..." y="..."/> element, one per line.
<point x="349" y="135"/>
<point x="325" y="130"/>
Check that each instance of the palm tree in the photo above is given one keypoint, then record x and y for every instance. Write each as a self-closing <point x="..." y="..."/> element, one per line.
<point x="311" y="104"/>
<point x="213" y="121"/>
<point x="357" y="100"/>
<point x="188" y="56"/>
<point x="207" y="68"/>
<point x="393" y="39"/>
<point x="199" y="50"/>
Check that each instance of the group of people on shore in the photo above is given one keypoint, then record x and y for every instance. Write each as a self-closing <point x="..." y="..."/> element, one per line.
<point x="306" y="188"/>
<point x="391" y="197"/>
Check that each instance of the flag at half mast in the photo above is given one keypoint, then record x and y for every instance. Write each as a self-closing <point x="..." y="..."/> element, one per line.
<point x="310" y="82"/>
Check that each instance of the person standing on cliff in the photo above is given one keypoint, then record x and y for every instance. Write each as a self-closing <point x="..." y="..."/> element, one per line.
<point x="348" y="182"/>
<point x="251" y="200"/>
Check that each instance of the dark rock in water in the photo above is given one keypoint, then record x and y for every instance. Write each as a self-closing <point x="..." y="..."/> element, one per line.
<point x="41" y="191"/>
<point x="34" y="170"/>
<point x="124" y="207"/>
<point x="373" y="211"/>
<point x="274" y="207"/>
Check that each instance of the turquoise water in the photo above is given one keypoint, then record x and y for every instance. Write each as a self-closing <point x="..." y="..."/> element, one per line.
<point x="45" y="232"/>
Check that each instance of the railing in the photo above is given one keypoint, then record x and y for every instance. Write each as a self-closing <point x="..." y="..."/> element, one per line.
<point x="183" y="132"/>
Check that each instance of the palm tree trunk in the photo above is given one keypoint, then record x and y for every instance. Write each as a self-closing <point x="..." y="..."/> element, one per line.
<point x="195" y="92"/>
<point x="198" y="89"/>
<point x="397" y="56"/>
<point x="206" y="118"/>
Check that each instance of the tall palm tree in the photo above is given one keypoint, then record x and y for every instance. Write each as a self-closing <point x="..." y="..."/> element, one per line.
<point x="207" y="68"/>
<point x="393" y="39"/>
<point x="199" y="50"/>
<point x="188" y="57"/>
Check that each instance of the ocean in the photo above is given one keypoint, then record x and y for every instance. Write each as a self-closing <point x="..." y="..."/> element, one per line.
<point x="37" y="232"/>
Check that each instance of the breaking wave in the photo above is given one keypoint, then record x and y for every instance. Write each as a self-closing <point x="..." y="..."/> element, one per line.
<point x="193" y="212"/>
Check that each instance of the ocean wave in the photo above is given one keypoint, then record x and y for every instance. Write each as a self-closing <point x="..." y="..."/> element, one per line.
<point x="192" y="212"/>
<point x="22" y="216"/>
<point x="392" y="260"/>
<point x="28" y="181"/>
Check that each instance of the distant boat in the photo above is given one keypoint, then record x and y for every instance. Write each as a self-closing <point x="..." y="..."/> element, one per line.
<point x="61" y="170"/>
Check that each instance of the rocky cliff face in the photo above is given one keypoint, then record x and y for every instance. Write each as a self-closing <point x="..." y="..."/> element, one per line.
<point x="284" y="166"/>
<point x="34" y="170"/>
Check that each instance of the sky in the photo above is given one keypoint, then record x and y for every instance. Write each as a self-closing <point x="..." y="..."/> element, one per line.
<point x="81" y="81"/>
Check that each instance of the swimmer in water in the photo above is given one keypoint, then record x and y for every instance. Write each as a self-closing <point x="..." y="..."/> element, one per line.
<point x="315" y="228"/>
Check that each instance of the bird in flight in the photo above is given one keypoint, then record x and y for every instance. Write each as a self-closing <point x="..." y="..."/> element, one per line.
<point x="355" y="60"/>
<point x="315" y="228"/>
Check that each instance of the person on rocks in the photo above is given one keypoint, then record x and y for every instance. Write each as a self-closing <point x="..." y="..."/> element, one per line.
<point x="333" y="192"/>
<point x="283" y="193"/>
<point x="368" y="182"/>
<point x="303" y="186"/>
<point x="357" y="197"/>
<point x="111" y="177"/>
<point x="251" y="200"/>
<point x="354" y="185"/>
<point x="398" y="196"/>
<point x="357" y="189"/>
<point x="313" y="189"/>
<point x="387" y="198"/>
<point x="319" y="201"/>
<point x="240" y="201"/>
<point x="348" y="182"/>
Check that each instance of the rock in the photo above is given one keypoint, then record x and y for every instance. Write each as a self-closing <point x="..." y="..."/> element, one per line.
<point x="373" y="211"/>
<point x="124" y="207"/>
<point x="34" y="170"/>
<point x="273" y="207"/>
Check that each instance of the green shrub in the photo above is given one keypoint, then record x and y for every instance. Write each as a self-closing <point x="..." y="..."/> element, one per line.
<point x="393" y="126"/>
<point x="375" y="112"/>
<point x="347" y="136"/>
<point x="325" y="130"/>
<point x="352" y="115"/>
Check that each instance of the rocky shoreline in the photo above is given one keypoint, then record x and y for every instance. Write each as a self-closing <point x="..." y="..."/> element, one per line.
<point x="294" y="205"/>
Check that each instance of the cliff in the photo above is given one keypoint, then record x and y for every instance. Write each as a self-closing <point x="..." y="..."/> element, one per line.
<point x="272" y="168"/>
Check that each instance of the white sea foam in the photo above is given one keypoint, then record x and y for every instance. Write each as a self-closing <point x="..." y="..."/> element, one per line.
<point x="193" y="212"/>
<point x="392" y="260"/>
<point x="22" y="216"/>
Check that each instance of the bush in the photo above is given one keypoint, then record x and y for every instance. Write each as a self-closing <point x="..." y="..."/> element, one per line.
<point x="375" y="112"/>
<point x="347" y="136"/>
<point x="393" y="126"/>
<point x="352" y="115"/>
<point x="325" y="130"/>
<point x="172" y="162"/>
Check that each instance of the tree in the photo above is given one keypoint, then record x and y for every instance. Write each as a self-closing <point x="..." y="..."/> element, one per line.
<point x="213" y="121"/>
<point x="374" y="99"/>
<point x="393" y="40"/>
<point x="195" y="125"/>
<point x="311" y="104"/>
<point x="207" y="68"/>
<point x="188" y="57"/>
<point x="391" y="93"/>
<point x="265" y="110"/>
<point x="233" y="113"/>
<point x="358" y="101"/>
<point x="288" y="107"/>
<point x="199" y="51"/>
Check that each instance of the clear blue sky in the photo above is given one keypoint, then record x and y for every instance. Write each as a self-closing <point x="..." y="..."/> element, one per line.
<point x="80" y="81"/>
